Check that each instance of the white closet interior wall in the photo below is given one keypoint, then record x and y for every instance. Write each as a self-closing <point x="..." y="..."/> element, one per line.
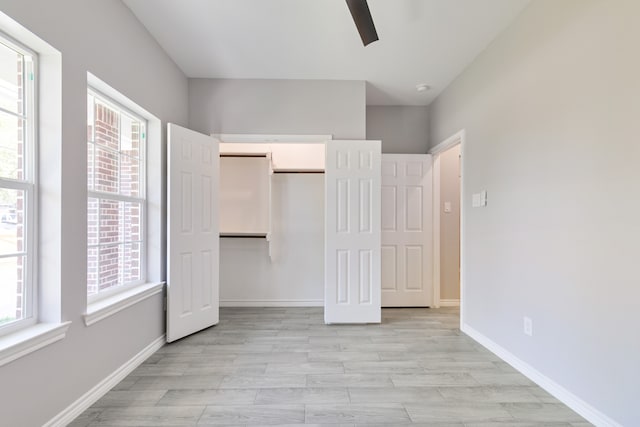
<point x="245" y="195"/>
<point x="288" y="270"/>
<point x="294" y="275"/>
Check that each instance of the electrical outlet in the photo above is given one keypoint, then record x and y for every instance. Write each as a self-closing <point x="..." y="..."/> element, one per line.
<point x="528" y="326"/>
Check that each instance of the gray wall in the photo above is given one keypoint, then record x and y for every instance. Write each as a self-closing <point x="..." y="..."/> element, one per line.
<point x="551" y="111"/>
<point x="450" y="224"/>
<point x="278" y="107"/>
<point x="102" y="37"/>
<point x="402" y="129"/>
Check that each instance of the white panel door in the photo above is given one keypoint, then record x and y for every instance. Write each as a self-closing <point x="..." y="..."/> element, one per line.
<point x="407" y="237"/>
<point x="352" y="232"/>
<point x="193" y="237"/>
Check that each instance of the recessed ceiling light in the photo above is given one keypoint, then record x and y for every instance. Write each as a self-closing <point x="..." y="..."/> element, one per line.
<point x="422" y="87"/>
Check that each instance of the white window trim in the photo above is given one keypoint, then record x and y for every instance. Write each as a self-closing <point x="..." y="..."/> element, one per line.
<point x="30" y="339"/>
<point x="109" y="303"/>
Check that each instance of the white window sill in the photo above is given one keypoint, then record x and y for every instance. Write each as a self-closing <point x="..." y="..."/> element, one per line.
<point x="30" y="339"/>
<point x="96" y="311"/>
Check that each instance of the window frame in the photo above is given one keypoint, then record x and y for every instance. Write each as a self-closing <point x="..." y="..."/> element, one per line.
<point x="102" y="195"/>
<point x="29" y="184"/>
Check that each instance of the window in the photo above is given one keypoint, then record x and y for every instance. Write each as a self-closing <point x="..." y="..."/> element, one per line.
<point x="17" y="187"/>
<point x="30" y="129"/>
<point x="116" y="197"/>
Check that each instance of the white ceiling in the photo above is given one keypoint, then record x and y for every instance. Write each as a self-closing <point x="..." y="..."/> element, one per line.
<point x="421" y="41"/>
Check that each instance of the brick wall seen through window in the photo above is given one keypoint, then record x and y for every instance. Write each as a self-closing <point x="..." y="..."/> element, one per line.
<point x="116" y="202"/>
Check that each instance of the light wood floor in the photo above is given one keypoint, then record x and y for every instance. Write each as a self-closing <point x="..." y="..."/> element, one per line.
<point x="283" y="366"/>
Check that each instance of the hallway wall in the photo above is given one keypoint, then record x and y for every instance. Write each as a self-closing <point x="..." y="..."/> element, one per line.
<point x="450" y="224"/>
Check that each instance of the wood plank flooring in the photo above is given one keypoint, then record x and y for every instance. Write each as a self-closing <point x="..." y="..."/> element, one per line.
<point x="283" y="366"/>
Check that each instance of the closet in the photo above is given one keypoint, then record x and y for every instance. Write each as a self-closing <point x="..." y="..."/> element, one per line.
<point x="349" y="239"/>
<point x="282" y="263"/>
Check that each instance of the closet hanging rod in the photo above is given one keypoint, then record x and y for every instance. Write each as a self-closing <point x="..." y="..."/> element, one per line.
<point x="243" y="155"/>
<point x="296" y="171"/>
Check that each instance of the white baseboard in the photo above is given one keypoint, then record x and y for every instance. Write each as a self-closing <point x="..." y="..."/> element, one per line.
<point x="93" y="395"/>
<point x="449" y="303"/>
<point x="587" y="411"/>
<point x="271" y="303"/>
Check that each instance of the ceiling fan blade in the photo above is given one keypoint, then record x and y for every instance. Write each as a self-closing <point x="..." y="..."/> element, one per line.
<point x="364" y="22"/>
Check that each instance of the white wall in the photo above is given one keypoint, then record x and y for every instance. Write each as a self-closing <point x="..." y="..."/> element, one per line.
<point x="334" y="107"/>
<point x="243" y="195"/>
<point x="295" y="273"/>
<point x="450" y="224"/>
<point x="102" y="37"/>
<point x="402" y="129"/>
<point x="551" y="111"/>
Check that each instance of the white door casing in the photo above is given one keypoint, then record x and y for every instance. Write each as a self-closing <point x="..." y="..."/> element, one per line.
<point x="352" y="232"/>
<point x="407" y="235"/>
<point x="193" y="232"/>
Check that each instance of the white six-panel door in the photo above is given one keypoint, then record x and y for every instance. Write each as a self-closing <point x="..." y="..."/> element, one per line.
<point x="407" y="238"/>
<point x="352" y="232"/>
<point x="193" y="232"/>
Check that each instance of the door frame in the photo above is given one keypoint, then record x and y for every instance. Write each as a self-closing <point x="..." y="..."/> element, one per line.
<point x="267" y="138"/>
<point x="459" y="138"/>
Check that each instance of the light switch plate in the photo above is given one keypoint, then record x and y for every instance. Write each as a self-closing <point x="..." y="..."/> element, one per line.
<point x="476" y="201"/>
<point x="447" y="207"/>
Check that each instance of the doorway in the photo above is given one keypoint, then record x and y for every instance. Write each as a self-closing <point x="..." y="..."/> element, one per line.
<point x="448" y="221"/>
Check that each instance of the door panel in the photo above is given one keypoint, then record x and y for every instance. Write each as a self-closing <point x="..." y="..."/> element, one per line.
<point x="389" y="221"/>
<point x="389" y="268"/>
<point x="193" y="236"/>
<point x="407" y="241"/>
<point x="413" y="208"/>
<point x="352" y="232"/>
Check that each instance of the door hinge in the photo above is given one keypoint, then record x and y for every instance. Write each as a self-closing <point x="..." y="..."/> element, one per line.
<point x="164" y="303"/>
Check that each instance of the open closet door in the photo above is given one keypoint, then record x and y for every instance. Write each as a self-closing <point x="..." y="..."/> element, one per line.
<point x="193" y="237"/>
<point x="352" y="232"/>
